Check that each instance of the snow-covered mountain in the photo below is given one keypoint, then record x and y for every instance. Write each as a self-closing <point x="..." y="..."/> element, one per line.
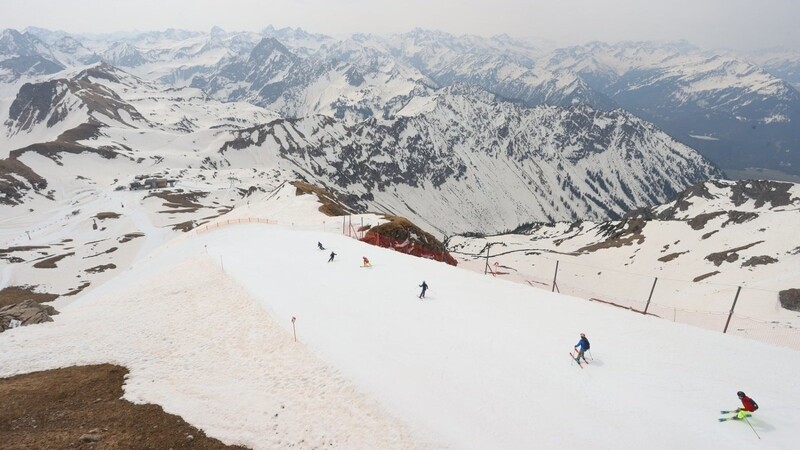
<point x="732" y="111"/>
<point x="783" y="63"/>
<point x="738" y="114"/>
<point x="514" y="164"/>
<point x="463" y="160"/>
<point x="24" y="54"/>
<point x="714" y="237"/>
<point x="500" y="65"/>
<point x="354" y="82"/>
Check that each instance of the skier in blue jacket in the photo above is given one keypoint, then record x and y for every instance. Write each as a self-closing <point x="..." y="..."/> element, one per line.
<point x="582" y="346"/>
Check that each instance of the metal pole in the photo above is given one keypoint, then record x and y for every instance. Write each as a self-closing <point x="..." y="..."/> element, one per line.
<point x="555" y="275"/>
<point x="486" y="266"/>
<point x="29" y="235"/>
<point x="294" y="332"/>
<point x="651" y="296"/>
<point x="731" y="313"/>
<point x="751" y="427"/>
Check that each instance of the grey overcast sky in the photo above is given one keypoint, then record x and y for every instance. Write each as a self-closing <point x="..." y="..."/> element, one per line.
<point x="737" y="24"/>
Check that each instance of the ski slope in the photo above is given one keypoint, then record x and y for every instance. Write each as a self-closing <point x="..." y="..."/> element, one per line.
<point x="204" y="325"/>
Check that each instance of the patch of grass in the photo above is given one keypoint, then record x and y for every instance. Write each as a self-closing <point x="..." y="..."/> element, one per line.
<point x="78" y="289"/>
<point x="55" y="408"/>
<point x="110" y="250"/>
<point x="331" y="206"/>
<point x="101" y="268"/>
<point x="704" y="276"/>
<point x="50" y="263"/>
<point x="107" y="215"/>
<point x="5" y="251"/>
<point x="16" y="294"/>
<point x="129" y="237"/>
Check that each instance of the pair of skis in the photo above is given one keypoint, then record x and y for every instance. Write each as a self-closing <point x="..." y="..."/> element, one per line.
<point x="578" y="361"/>
<point x="736" y="417"/>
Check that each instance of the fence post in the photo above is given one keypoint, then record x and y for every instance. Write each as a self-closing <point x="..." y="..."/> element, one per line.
<point x="555" y="275"/>
<point x="486" y="266"/>
<point x="732" y="307"/>
<point x="651" y="296"/>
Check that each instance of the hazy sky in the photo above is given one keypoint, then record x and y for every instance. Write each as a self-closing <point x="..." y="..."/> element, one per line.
<point x="739" y="24"/>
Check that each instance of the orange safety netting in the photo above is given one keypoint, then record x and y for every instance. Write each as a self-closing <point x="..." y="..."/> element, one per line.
<point x="409" y="247"/>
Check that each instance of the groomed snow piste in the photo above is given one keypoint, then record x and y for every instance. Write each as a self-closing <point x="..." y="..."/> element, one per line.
<point x="204" y="325"/>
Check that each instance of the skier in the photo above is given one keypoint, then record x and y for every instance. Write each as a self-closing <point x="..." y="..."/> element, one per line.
<point x="584" y="345"/>
<point x="331" y="258"/>
<point x="366" y="262"/>
<point x="748" y="406"/>
<point x="424" y="287"/>
<point x="319" y="244"/>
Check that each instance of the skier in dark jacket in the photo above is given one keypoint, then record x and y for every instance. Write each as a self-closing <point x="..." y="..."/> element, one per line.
<point x="331" y="258"/>
<point x="582" y="346"/>
<point x="748" y="406"/>
<point x="319" y="244"/>
<point x="424" y="287"/>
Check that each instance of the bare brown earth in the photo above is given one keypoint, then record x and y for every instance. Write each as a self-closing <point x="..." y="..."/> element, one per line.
<point x="16" y="294"/>
<point x="50" y="263"/>
<point x="331" y="206"/>
<point x="82" y="408"/>
<point x="705" y="275"/>
<point x="107" y="215"/>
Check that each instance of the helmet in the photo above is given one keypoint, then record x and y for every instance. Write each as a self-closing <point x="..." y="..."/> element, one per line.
<point x="583" y="335"/>
<point x="740" y="394"/>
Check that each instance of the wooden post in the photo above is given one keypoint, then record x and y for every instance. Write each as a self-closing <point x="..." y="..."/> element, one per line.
<point x="732" y="307"/>
<point x="294" y="332"/>
<point x="486" y="266"/>
<point x="651" y="296"/>
<point x="555" y="286"/>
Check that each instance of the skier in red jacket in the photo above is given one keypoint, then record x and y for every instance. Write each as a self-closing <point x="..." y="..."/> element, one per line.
<point x="748" y="405"/>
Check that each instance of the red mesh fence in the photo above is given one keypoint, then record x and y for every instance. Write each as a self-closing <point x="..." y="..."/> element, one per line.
<point x="408" y="247"/>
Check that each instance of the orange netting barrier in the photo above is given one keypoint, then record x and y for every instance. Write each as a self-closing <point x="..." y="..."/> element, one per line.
<point x="409" y="248"/>
<point x="222" y="223"/>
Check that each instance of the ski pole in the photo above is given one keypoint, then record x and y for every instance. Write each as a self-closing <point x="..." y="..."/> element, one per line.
<point x="751" y="427"/>
<point x="590" y="354"/>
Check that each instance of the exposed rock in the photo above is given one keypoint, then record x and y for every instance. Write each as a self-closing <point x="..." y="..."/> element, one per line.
<point x="92" y="436"/>
<point x="671" y="256"/>
<point x="728" y="255"/>
<point x="739" y="217"/>
<point x="699" y="222"/>
<point x="28" y="312"/>
<point x="762" y="191"/>
<point x="403" y="236"/>
<point x="759" y="261"/>
<point x="704" y="276"/>
<point x="790" y="299"/>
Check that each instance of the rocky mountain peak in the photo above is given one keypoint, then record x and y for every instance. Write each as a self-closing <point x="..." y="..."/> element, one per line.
<point x="267" y="47"/>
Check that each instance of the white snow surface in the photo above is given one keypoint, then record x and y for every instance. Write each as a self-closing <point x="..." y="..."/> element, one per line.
<point x="204" y="325"/>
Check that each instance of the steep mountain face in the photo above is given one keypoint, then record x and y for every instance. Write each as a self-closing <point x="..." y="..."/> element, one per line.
<point x="353" y="82"/>
<point x="495" y="65"/>
<point x="463" y="160"/>
<point x="71" y="52"/>
<point x="123" y="54"/>
<point x="782" y="63"/>
<point x="731" y="111"/>
<point x="52" y="102"/>
<point x="456" y="160"/>
<point x="24" y="54"/>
